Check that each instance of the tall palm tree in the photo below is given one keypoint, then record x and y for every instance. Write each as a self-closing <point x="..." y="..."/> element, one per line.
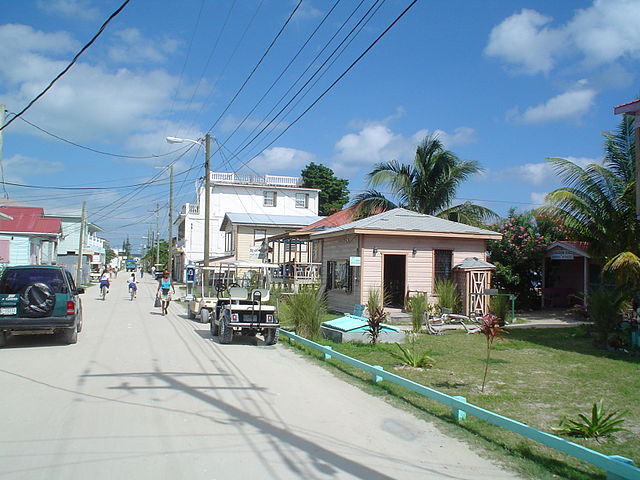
<point x="427" y="186"/>
<point x="598" y="204"/>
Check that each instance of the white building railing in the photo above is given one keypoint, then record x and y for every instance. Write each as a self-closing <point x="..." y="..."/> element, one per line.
<point x="191" y="209"/>
<point x="253" y="179"/>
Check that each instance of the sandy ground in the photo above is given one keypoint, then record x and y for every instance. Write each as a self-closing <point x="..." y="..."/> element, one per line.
<point x="147" y="396"/>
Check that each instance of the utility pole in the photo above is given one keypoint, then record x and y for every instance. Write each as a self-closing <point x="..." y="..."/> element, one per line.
<point x="170" y="262"/>
<point x="158" y="233"/>
<point x="2" y="119"/>
<point x="207" y="206"/>
<point x="80" y="244"/>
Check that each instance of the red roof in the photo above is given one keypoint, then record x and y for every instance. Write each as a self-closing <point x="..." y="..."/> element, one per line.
<point x="580" y="248"/>
<point x="631" y="108"/>
<point x="29" y="220"/>
<point x="334" y="220"/>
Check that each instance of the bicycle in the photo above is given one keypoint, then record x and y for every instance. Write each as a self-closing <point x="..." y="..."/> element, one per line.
<point x="103" y="291"/>
<point x="132" y="292"/>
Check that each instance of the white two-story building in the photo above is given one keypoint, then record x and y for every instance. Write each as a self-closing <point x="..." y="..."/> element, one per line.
<point x="233" y="193"/>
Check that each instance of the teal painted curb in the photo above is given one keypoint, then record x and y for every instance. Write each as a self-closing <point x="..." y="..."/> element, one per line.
<point x="617" y="467"/>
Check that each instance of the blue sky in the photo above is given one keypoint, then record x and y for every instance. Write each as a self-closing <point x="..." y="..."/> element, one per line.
<point x="507" y="84"/>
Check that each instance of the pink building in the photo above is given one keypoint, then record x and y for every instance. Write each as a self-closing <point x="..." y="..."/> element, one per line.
<point x="400" y="252"/>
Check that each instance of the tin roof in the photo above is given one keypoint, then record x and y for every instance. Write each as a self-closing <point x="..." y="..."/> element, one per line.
<point x="28" y="220"/>
<point x="471" y="263"/>
<point x="268" y="220"/>
<point x="402" y="220"/>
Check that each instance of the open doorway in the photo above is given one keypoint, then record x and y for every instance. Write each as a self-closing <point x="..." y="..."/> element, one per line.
<point x="394" y="280"/>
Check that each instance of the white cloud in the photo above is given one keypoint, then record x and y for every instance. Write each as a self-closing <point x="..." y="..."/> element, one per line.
<point x="523" y="40"/>
<point x="569" y="106"/>
<point x="17" y="167"/>
<point x="282" y="159"/>
<point x="91" y="102"/>
<point x="538" y="198"/>
<point x="537" y="174"/>
<point x="376" y="142"/>
<point x="306" y="10"/>
<point x="130" y="46"/>
<point x="69" y="8"/>
<point x="605" y="32"/>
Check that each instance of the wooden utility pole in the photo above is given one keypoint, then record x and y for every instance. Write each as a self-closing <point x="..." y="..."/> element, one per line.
<point x="80" y="244"/>
<point x="207" y="206"/>
<point x="157" y="234"/>
<point x="170" y="261"/>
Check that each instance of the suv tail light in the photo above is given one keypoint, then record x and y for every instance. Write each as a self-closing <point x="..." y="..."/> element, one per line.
<point x="234" y="317"/>
<point x="71" y="307"/>
<point x="270" y="318"/>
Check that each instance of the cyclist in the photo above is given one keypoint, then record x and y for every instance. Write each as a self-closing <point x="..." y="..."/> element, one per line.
<point x="165" y="284"/>
<point x="133" y="287"/>
<point x="104" y="280"/>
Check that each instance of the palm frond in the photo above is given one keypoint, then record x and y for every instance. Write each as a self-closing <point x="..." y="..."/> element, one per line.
<point x="370" y="202"/>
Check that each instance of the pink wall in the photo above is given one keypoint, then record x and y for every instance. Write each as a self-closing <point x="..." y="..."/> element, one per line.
<point x="419" y="273"/>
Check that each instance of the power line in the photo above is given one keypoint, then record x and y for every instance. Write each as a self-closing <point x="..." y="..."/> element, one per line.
<point x="333" y="84"/>
<point x="266" y="52"/>
<point x="98" y="151"/>
<point x="68" y="67"/>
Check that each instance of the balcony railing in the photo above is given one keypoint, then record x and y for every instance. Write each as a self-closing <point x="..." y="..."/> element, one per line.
<point x="191" y="209"/>
<point x="253" y="179"/>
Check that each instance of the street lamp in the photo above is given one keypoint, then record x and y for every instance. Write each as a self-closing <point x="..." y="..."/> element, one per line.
<point x="207" y="189"/>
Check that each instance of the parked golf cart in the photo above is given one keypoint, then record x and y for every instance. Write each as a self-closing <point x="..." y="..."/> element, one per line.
<point x="239" y="306"/>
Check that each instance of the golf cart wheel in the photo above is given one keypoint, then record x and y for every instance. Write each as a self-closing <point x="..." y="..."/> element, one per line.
<point x="4" y="336"/>
<point x="204" y="316"/>
<point x="271" y="336"/>
<point x="213" y="326"/>
<point x="226" y="330"/>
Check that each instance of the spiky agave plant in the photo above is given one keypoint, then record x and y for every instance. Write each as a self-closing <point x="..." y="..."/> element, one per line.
<point x="601" y="423"/>
<point x="410" y="356"/>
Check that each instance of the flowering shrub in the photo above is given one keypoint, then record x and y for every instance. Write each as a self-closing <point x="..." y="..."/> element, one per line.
<point x="519" y="254"/>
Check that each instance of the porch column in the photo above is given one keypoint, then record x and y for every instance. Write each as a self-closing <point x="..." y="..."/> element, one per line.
<point x="585" y="281"/>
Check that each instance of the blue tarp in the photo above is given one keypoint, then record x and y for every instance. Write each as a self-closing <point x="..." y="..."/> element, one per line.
<point x="353" y="323"/>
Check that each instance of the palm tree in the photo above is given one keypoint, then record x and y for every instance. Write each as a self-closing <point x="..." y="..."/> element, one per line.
<point x="598" y="204"/>
<point x="427" y="186"/>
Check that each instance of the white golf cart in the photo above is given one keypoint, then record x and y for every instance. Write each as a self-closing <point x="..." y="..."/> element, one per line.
<point x="239" y="305"/>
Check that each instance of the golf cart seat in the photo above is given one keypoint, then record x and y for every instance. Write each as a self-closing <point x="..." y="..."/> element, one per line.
<point x="263" y="294"/>
<point x="238" y="293"/>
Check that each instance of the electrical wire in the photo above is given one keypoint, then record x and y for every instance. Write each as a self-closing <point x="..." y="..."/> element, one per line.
<point x="68" y="67"/>
<point x="84" y="147"/>
<point x="266" y="52"/>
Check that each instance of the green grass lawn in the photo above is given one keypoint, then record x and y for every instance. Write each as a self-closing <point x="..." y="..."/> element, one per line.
<point x="536" y="376"/>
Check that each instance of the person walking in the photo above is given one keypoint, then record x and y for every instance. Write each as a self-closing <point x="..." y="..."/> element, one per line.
<point x="164" y="285"/>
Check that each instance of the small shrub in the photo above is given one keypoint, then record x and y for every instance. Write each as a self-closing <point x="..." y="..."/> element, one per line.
<point x="490" y="327"/>
<point x="410" y="356"/>
<point x="377" y="315"/>
<point x="418" y="306"/>
<point x="605" y="310"/>
<point x="601" y="423"/>
<point x="304" y="311"/>
<point x="448" y="295"/>
<point x="499" y="306"/>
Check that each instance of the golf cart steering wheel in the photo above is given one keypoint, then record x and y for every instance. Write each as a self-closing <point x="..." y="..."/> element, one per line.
<point x="220" y="287"/>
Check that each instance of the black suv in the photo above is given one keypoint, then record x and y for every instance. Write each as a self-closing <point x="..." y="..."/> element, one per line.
<point x="37" y="299"/>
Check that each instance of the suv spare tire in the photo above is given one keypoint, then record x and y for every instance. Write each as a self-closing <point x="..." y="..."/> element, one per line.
<point x="37" y="300"/>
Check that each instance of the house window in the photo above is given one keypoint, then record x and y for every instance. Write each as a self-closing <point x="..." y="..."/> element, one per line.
<point x="269" y="198"/>
<point x="302" y="200"/>
<point x="442" y="264"/>
<point x="228" y="241"/>
<point x="259" y="236"/>
<point x="339" y="276"/>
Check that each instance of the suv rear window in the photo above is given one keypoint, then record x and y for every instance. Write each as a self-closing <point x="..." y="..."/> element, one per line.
<point x="14" y="281"/>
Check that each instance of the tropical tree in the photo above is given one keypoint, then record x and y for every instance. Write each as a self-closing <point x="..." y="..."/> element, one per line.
<point x="333" y="191"/>
<point x="597" y="204"/>
<point x="427" y="186"/>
